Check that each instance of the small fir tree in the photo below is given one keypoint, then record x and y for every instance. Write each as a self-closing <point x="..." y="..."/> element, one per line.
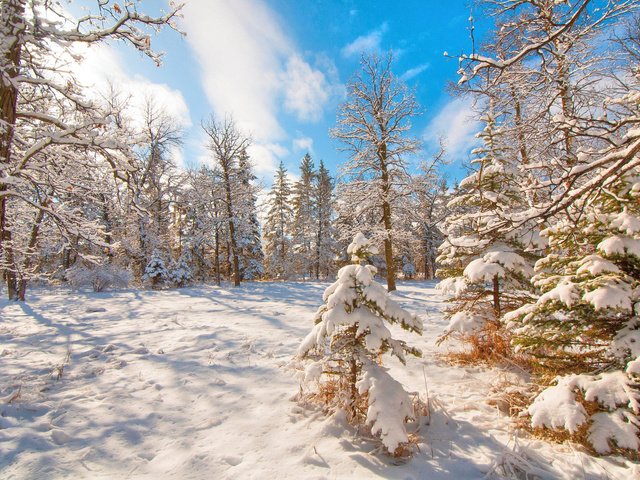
<point x="156" y="272"/>
<point x="345" y="347"/>
<point x="180" y="272"/>
<point x="486" y="269"/>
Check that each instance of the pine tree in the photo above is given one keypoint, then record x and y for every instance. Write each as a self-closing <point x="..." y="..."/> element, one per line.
<point x="277" y="227"/>
<point x="486" y="270"/>
<point x="156" y="271"/>
<point x="180" y="272"/>
<point x="345" y="347"/>
<point x="249" y="243"/>
<point x="304" y="219"/>
<point x="324" y="240"/>
<point x="574" y="121"/>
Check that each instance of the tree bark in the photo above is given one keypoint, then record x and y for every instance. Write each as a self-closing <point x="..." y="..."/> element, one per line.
<point x="11" y="22"/>
<point x="496" y="297"/>
<point x="386" y="218"/>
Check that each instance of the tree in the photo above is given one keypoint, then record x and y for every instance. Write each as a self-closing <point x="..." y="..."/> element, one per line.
<point x="574" y="118"/>
<point x="277" y="227"/>
<point x="304" y="213"/>
<point x="346" y="345"/>
<point x="249" y="237"/>
<point x="323" y="200"/>
<point x="45" y="116"/>
<point x="373" y="125"/>
<point x="154" y="182"/>
<point x="486" y="275"/>
<point x="228" y="145"/>
<point x="156" y="271"/>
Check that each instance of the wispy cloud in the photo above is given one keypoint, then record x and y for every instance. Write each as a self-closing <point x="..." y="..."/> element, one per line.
<point x="252" y="70"/>
<point x="102" y="66"/>
<point x="303" y="144"/>
<point x="371" y="42"/>
<point x="456" y="125"/>
<point x="306" y="90"/>
<point x="414" y="72"/>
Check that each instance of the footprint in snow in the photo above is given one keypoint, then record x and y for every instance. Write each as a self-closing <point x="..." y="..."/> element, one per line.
<point x="59" y="437"/>
<point x="148" y="456"/>
<point x="233" y="460"/>
<point x="96" y="309"/>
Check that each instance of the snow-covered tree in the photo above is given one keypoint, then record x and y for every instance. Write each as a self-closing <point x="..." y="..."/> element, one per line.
<point x="344" y="350"/>
<point x="304" y="213"/>
<point x="373" y="126"/>
<point x="574" y="117"/>
<point x="48" y="125"/>
<point x="227" y="146"/>
<point x="486" y="274"/>
<point x="180" y="272"/>
<point x="277" y="227"/>
<point x="156" y="270"/>
<point x="249" y="236"/>
<point x="324" y="239"/>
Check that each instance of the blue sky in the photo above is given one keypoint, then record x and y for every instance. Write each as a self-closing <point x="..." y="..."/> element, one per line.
<point x="280" y="66"/>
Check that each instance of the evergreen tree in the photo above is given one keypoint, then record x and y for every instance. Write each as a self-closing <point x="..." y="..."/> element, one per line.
<point x="346" y="345"/>
<point x="325" y="244"/>
<point x="180" y="272"/>
<point x="251" y="254"/>
<point x="486" y="270"/>
<point x="156" y="271"/>
<point x="277" y="227"/>
<point x="304" y="219"/>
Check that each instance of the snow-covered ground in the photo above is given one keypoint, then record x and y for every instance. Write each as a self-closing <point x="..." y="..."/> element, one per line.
<point x="193" y="383"/>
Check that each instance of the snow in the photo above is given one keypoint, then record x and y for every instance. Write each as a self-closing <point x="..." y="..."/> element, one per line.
<point x="556" y="407"/>
<point x="389" y="405"/>
<point x="565" y="292"/>
<point x="192" y="383"/>
<point x="610" y="295"/>
<point x="480" y="270"/>
<point x="618" y="245"/>
<point x="619" y="426"/>
<point x="596" y="265"/>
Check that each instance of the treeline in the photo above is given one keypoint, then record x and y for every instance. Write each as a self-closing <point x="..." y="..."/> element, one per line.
<point x="90" y="193"/>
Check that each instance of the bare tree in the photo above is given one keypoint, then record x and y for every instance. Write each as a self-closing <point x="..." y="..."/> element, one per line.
<point x="228" y="145"/>
<point x="373" y="126"/>
<point x="45" y="116"/>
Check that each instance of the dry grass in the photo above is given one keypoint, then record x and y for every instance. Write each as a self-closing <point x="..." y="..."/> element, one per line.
<point x="514" y="400"/>
<point x="334" y="392"/>
<point x="490" y="346"/>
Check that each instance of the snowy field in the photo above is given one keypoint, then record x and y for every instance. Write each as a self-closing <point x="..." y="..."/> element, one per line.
<point x="193" y="383"/>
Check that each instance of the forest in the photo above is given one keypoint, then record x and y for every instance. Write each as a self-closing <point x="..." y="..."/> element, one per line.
<point x="526" y="268"/>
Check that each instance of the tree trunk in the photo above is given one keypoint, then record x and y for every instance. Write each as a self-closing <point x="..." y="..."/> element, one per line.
<point x="217" y="256"/>
<point x="11" y="20"/>
<point x="496" y="297"/>
<point x="386" y="219"/>
<point x="33" y="240"/>
<point x="232" y="227"/>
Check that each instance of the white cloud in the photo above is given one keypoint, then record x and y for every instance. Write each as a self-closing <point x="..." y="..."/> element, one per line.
<point x="102" y="66"/>
<point x="306" y="89"/>
<point x="266" y="157"/>
<point x="303" y="144"/>
<point x="366" y="43"/>
<point x="250" y="66"/>
<point x="455" y="123"/>
<point x="414" y="72"/>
